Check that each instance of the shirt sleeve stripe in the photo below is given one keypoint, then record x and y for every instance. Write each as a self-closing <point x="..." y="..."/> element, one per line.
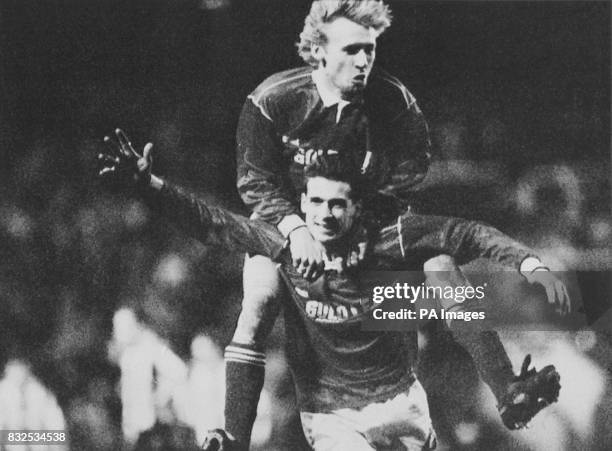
<point x="408" y="98"/>
<point x="256" y="99"/>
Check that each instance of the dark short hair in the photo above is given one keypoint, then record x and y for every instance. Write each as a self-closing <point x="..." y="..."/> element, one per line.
<point x="339" y="168"/>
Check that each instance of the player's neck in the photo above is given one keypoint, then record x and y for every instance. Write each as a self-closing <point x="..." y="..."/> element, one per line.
<point x="330" y="93"/>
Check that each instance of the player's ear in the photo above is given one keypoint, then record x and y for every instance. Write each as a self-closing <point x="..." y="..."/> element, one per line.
<point x="303" y="203"/>
<point x="356" y="208"/>
<point x="318" y="53"/>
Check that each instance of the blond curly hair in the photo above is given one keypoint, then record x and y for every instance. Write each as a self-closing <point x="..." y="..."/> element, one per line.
<point x="368" y="13"/>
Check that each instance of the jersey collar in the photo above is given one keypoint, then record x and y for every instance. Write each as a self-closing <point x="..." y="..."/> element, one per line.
<point x="329" y="97"/>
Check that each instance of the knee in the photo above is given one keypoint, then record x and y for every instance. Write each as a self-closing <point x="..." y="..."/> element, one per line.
<point x="260" y="279"/>
<point x="248" y="330"/>
<point x="440" y="263"/>
<point x="443" y="271"/>
<point x="257" y="295"/>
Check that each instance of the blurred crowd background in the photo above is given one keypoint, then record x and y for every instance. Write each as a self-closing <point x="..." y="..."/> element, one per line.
<point x="112" y="323"/>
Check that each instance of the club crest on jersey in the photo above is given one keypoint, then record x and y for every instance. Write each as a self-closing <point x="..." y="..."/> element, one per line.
<point x="305" y="156"/>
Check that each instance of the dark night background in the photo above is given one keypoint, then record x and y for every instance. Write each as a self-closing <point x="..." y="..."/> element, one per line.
<point x="520" y="88"/>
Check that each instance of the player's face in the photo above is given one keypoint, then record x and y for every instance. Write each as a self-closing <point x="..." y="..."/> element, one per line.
<point x="329" y="209"/>
<point x="348" y="55"/>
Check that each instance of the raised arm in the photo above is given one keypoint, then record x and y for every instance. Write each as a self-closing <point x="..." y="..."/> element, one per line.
<point x="211" y="225"/>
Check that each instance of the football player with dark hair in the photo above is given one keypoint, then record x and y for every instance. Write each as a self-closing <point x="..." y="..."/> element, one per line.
<point x="356" y="389"/>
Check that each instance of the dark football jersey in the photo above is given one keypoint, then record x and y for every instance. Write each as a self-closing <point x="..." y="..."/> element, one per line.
<point x="284" y="123"/>
<point x="333" y="361"/>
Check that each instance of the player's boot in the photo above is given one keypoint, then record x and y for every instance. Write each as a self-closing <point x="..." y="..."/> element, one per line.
<point x="219" y="440"/>
<point x="529" y="393"/>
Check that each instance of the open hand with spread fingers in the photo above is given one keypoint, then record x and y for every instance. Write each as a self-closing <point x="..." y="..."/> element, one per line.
<point x="123" y="162"/>
<point x="556" y="291"/>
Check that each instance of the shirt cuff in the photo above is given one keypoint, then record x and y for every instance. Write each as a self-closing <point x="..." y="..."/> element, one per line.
<point x="530" y="264"/>
<point x="289" y="223"/>
<point x="156" y="183"/>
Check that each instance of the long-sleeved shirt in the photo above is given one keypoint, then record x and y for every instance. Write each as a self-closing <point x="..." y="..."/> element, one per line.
<point x="286" y="120"/>
<point x="333" y="361"/>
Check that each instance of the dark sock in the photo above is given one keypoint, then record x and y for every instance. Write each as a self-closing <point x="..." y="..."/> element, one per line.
<point x="244" y="377"/>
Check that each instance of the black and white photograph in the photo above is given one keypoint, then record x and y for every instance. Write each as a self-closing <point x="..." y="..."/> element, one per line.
<point x="291" y="225"/>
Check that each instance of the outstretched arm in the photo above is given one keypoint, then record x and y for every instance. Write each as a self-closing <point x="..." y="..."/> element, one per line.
<point x="191" y="214"/>
<point x="465" y="241"/>
<point x="470" y="239"/>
